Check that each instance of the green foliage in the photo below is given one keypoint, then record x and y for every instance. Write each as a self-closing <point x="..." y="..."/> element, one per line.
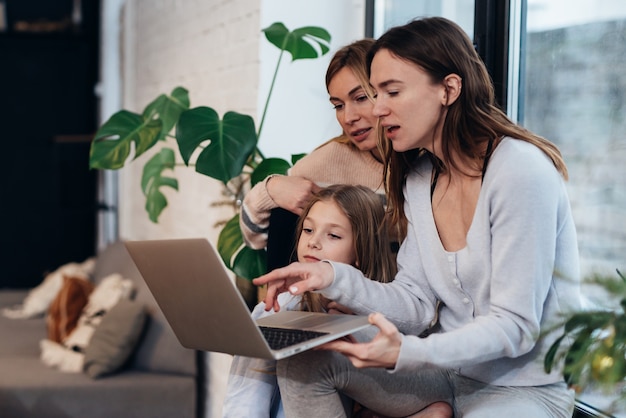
<point x="296" y="157"/>
<point x="298" y="43"/>
<point x="111" y="146"/>
<point x="269" y="166"/>
<point x="152" y="180"/>
<point x="592" y="347"/>
<point x="242" y="260"/>
<point x="231" y="141"/>
<point x="167" y="109"/>
<point x="221" y="148"/>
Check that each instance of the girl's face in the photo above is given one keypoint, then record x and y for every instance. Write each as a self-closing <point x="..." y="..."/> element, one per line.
<point x="326" y="235"/>
<point x="410" y="106"/>
<point x="353" y="109"/>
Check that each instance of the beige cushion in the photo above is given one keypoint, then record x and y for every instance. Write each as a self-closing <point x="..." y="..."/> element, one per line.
<point x="115" y="338"/>
<point x="159" y="350"/>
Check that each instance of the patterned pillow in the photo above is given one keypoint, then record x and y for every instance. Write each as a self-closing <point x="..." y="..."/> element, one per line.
<point x="68" y="356"/>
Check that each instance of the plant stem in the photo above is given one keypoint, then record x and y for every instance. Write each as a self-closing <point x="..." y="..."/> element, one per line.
<point x="269" y="94"/>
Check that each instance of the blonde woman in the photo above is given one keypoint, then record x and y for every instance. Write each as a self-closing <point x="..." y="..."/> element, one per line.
<point x="351" y="158"/>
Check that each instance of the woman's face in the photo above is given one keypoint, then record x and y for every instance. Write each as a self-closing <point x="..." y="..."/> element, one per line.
<point x="353" y="109"/>
<point x="410" y="106"/>
<point x="326" y="235"/>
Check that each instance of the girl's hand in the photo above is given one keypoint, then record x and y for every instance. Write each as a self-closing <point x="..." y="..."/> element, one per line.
<point x="296" y="278"/>
<point x="291" y="192"/>
<point x="382" y="351"/>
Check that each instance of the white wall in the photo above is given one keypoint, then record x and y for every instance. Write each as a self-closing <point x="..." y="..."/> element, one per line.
<point x="210" y="48"/>
<point x="299" y="116"/>
<point x="216" y="50"/>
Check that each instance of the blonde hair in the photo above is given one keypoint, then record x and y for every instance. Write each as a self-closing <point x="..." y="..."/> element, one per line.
<point x="354" y="57"/>
<point x="366" y="213"/>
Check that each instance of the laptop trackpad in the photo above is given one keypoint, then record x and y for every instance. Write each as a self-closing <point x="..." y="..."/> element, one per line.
<point x="309" y="320"/>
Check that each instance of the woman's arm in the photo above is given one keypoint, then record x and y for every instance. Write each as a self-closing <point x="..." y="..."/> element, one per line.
<point x="288" y="192"/>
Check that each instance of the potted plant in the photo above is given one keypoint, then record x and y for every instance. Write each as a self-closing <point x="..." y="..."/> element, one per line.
<point x="229" y="151"/>
<point x="592" y="348"/>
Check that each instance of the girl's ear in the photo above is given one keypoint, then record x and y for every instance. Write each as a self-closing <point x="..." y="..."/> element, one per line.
<point x="453" y="85"/>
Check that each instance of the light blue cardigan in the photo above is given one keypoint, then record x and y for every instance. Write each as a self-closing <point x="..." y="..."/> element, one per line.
<point x="501" y="294"/>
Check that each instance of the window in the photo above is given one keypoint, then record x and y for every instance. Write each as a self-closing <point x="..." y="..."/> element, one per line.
<point x="558" y="69"/>
<point x="389" y="13"/>
<point x="564" y="79"/>
<point x="573" y="92"/>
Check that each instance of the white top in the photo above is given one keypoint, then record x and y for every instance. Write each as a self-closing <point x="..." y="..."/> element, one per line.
<point x="252" y="389"/>
<point x="518" y="274"/>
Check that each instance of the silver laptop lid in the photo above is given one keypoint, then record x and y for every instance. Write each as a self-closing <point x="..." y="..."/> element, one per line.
<point x="201" y="303"/>
<point x="205" y="309"/>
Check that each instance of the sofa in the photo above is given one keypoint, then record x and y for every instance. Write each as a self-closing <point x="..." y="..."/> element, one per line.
<point x="159" y="379"/>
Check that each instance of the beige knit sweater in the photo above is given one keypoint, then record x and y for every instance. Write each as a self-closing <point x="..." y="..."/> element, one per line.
<point x="332" y="163"/>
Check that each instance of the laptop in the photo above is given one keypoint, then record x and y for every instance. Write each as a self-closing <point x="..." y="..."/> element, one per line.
<point x="206" y="311"/>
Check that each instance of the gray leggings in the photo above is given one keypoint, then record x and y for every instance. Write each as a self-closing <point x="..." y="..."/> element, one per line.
<point x="316" y="384"/>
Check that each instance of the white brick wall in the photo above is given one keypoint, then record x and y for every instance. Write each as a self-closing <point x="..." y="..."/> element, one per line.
<point x="211" y="48"/>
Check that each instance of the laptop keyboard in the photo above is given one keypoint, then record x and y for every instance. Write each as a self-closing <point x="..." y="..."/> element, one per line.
<point x="278" y="338"/>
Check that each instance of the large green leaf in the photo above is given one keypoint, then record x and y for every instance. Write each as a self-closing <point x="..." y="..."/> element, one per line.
<point x="243" y="261"/>
<point x="229" y="241"/>
<point x="550" y="358"/>
<point x="232" y="140"/>
<point x="111" y="145"/>
<point x="168" y="109"/>
<point x="250" y="263"/>
<point x="588" y="320"/>
<point x="152" y="180"/>
<point x="576" y="356"/>
<point x="299" y="43"/>
<point x="297" y="157"/>
<point x="269" y="166"/>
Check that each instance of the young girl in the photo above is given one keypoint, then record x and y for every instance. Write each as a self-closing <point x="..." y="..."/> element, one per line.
<point x="341" y="223"/>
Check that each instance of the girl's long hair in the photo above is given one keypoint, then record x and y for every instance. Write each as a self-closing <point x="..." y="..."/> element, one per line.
<point x="366" y="213"/>
<point x="440" y="47"/>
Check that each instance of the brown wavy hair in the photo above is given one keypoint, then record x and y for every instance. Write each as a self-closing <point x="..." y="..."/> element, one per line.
<point x="372" y="247"/>
<point x="440" y="47"/>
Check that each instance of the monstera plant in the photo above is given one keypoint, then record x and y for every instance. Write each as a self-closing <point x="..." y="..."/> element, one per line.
<point x="228" y="145"/>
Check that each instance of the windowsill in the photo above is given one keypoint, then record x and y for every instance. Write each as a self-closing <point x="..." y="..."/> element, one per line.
<point x="603" y="402"/>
